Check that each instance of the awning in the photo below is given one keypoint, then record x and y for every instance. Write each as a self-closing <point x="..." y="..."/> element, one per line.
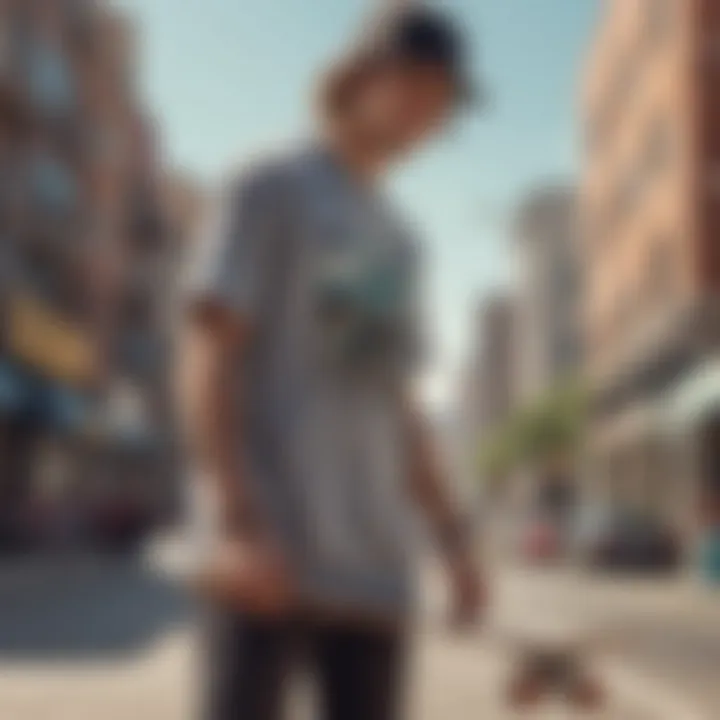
<point x="47" y="344"/>
<point x="696" y="396"/>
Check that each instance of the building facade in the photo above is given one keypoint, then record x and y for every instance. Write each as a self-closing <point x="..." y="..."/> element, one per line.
<point x="548" y="343"/>
<point x="547" y="348"/>
<point x="650" y="252"/>
<point x="79" y="172"/>
<point x="487" y="389"/>
<point x="496" y="389"/>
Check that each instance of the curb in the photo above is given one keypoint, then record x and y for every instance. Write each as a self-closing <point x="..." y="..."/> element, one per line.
<point x="28" y="578"/>
<point x="647" y="695"/>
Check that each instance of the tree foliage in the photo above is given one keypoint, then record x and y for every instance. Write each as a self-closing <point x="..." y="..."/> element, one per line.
<point x="533" y="434"/>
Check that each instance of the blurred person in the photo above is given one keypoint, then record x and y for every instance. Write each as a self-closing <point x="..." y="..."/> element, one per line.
<point x="295" y="374"/>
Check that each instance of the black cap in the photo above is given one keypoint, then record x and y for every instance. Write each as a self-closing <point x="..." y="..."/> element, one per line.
<point x="416" y="33"/>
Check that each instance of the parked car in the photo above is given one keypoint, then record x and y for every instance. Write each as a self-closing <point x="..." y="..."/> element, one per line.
<point x="625" y="540"/>
<point x="120" y="525"/>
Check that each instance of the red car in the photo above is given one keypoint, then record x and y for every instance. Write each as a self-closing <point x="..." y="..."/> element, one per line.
<point x="540" y="540"/>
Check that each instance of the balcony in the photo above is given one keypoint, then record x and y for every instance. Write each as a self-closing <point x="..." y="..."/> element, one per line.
<point x="54" y="187"/>
<point x="50" y="82"/>
<point x="146" y="224"/>
<point x="83" y="27"/>
<point x="141" y="354"/>
<point x="14" y="107"/>
<point x="61" y="282"/>
<point x="52" y="204"/>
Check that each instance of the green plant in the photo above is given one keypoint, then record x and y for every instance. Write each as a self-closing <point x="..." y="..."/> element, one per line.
<point x="552" y="426"/>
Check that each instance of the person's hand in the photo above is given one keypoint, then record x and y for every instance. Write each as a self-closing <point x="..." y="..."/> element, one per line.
<point x="467" y="589"/>
<point x="248" y="575"/>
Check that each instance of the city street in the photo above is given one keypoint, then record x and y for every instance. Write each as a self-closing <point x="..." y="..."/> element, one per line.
<point x="113" y="640"/>
<point x="539" y="268"/>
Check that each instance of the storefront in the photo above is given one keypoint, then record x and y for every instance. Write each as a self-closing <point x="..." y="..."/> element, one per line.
<point x="693" y="413"/>
<point x="41" y="434"/>
<point x="45" y="407"/>
<point x="623" y="449"/>
<point x="661" y="453"/>
<point x="132" y="462"/>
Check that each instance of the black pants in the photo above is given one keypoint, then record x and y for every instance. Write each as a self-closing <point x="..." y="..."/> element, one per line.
<point x="358" y="672"/>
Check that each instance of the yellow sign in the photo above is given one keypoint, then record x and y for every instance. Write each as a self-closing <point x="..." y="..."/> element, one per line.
<point x="48" y="342"/>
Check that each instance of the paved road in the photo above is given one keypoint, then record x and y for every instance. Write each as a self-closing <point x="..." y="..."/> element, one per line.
<point x="114" y="641"/>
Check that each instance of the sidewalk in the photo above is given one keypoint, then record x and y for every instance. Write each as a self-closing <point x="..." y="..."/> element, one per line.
<point x="459" y="681"/>
<point x="456" y="675"/>
<point x="33" y="575"/>
<point x="454" y="678"/>
<point x="29" y="578"/>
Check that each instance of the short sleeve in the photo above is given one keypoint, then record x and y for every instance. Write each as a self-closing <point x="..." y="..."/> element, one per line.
<point x="228" y="263"/>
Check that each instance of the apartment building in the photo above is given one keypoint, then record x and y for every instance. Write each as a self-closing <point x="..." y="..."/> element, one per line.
<point x="75" y="195"/>
<point x="547" y="348"/>
<point x="486" y="387"/>
<point x="495" y="388"/>
<point x="650" y="207"/>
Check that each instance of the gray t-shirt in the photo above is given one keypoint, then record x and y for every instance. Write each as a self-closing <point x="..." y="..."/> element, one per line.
<point x="328" y="276"/>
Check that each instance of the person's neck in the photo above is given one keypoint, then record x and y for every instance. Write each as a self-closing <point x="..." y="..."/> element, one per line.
<point x="356" y="158"/>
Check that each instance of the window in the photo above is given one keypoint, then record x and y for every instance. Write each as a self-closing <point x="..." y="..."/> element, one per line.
<point x="52" y="280"/>
<point x="624" y="314"/>
<point x="714" y="179"/>
<point x="50" y="81"/>
<point x="659" y="19"/>
<point x="566" y="351"/>
<point x="565" y="278"/>
<point x="623" y="198"/>
<point x="660" y="270"/>
<point x="657" y="147"/>
<point x="590" y="232"/>
<point x="626" y="75"/>
<point x="621" y="85"/>
<point x="140" y="351"/>
<point x="53" y="185"/>
<point x="655" y="155"/>
<point x="81" y="16"/>
<point x="594" y="134"/>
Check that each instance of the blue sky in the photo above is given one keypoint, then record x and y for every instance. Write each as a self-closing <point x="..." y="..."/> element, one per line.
<point x="228" y="76"/>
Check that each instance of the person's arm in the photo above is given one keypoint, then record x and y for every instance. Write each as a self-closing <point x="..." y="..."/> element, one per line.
<point x="211" y="360"/>
<point x="449" y="528"/>
<point x="225" y="292"/>
<point x="222" y="306"/>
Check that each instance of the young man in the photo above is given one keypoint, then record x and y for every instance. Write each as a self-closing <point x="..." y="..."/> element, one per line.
<point x="300" y="346"/>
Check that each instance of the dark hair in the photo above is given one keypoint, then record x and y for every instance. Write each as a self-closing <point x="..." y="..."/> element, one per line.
<point x="414" y="34"/>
